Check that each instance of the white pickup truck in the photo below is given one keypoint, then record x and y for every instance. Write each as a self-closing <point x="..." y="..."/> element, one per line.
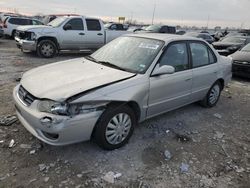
<point x="65" y="33"/>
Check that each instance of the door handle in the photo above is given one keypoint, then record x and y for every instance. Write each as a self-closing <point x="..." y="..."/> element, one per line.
<point x="99" y="34"/>
<point x="81" y="33"/>
<point x="188" y="79"/>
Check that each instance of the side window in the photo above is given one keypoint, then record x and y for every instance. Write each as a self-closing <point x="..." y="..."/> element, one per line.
<point x="34" y="22"/>
<point x="199" y="53"/>
<point x="176" y="55"/>
<point x="76" y="24"/>
<point x="212" y="57"/>
<point x="93" y="25"/>
<point x="15" y="21"/>
<point x="23" y="22"/>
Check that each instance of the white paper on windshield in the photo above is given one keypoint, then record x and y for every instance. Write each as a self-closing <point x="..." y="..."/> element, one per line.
<point x="149" y="46"/>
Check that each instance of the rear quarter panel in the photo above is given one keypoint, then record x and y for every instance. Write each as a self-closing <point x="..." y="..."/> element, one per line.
<point x="225" y="66"/>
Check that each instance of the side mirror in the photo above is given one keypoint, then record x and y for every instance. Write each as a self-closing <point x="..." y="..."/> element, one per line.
<point x="165" y="69"/>
<point x="67" y="27"/>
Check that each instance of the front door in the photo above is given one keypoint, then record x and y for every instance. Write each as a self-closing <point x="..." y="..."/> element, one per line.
<point x="95" y="34"/>
<point x="171" y="91"/>
<point x="73" y="36"/>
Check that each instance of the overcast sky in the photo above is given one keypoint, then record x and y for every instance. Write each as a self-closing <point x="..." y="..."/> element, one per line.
<point x="184" y="12"/>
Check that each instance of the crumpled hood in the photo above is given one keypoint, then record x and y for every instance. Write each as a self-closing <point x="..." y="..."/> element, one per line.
<point x="33" y="27"/>
<point x="59" y="81"/>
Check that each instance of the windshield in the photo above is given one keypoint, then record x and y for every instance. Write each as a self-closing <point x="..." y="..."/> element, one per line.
<point x="155" y="28"/>
<point x="132" y="54"/>
<point x="246" y="48"/>
<point x="57" y="22"/>
<point x="234" y="40"/>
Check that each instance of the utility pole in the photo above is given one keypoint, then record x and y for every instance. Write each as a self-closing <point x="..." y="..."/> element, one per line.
<point x="131" y="18"/>
<point x="208" y="19"/>
<point x="153" y="17"/>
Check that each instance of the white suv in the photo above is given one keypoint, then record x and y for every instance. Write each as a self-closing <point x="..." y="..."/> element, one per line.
<point x="11" y="23"/>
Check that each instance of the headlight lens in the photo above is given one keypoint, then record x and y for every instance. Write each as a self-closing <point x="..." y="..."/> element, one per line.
<point x="83" y="108"/>
<point x="70" y="109"/>
<point x="53" y="107"/>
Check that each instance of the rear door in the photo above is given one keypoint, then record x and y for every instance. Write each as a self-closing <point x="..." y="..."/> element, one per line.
<point x="95" y="33"/>
<point x="171" y="91"/>
<point x="75" y="36"/>
<point x="205" y="69"/>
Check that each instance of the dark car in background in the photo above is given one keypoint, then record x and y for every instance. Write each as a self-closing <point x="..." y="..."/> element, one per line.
<point x="160" y="29"/>
<point x="230" y="45"/>
<point x="241" y="62"/>
<point x="204" y="36"/>
<point x="115" y="26"/>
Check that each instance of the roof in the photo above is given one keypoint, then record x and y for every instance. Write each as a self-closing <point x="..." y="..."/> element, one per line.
<point x="164" y="37"/>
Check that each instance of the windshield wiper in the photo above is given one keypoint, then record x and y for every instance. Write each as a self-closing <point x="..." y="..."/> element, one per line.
<point x="112" y="65"/>
<point x="88" y="57"/>
<point x="107" y="64"/>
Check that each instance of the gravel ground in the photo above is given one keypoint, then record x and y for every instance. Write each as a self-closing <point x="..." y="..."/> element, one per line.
<point x="188" y="147"/>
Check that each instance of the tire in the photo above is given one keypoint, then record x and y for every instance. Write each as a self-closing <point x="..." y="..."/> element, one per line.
<point x="46" y="49"/>
<point x="116" y="120"/>
<point x="212" y="96"/>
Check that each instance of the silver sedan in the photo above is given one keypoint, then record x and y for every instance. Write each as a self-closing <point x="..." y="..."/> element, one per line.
<point x="105" y="95"/>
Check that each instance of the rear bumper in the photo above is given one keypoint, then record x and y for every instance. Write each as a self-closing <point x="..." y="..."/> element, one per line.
<point x="241" y="70"/>
<point x="25" y="44"/>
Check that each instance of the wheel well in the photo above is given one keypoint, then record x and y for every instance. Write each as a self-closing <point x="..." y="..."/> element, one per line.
<point x="49" y="38"/>
<point x="132" y="104"/>
<point x="221" y="81"/>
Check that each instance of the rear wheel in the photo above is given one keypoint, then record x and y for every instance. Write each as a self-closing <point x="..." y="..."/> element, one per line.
<point x="212" y="96"/>
<point x="115" y="127"/>
<point x="46" y="48"/>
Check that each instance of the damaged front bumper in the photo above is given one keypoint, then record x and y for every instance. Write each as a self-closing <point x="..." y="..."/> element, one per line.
<point x="55" y="129"/>
<point x="29" y="45"/>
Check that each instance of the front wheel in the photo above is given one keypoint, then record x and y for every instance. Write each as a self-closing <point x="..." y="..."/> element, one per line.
<point x="46" y="49"/>
<point x="212" y="96"/>
<point x="115" y="127"/>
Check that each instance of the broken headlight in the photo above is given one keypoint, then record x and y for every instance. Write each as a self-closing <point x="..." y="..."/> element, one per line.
<point x="83" y="108"/>
<point x="70" y="109"/>
<point x="53" y="107"/>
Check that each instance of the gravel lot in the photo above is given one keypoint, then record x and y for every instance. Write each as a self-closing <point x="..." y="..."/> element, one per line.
<point x="211" y="145"/>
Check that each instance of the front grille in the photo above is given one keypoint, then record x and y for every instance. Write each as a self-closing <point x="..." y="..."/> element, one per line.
<point x="23" y="35"/>
<point x="25" y="96"/>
